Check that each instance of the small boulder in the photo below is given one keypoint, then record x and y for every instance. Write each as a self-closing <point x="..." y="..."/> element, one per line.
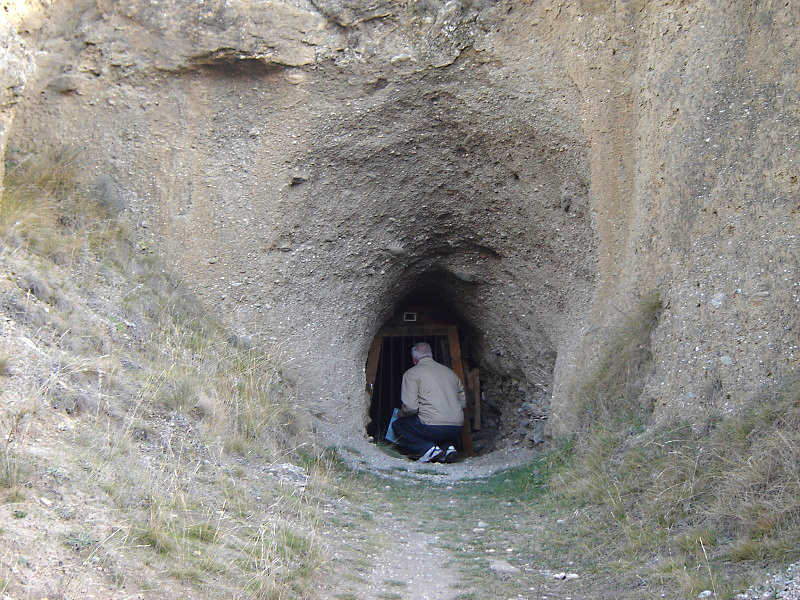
<point x="502" y="568"/>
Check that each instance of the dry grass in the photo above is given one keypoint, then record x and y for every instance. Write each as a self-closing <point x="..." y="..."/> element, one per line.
<point x="6" y="365"/>
<point x="45" y="210"/>
<point x="613" y="387"/>
<point x="695" y="507"/>
<point x="169" y="422"/>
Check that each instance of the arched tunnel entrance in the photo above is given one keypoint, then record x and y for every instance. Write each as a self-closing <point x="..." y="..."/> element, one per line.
<point x="411" y="195"/>
<point x="501" y="409"/>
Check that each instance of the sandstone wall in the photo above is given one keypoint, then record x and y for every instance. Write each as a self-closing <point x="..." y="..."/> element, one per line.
<point x="534" y="166"/>
<point x="696" y="186"/>
<point x="16" y="66"/>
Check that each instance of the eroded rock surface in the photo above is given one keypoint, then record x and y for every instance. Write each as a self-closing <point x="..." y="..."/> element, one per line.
<point x="16" y="66"/>
<point x="533" y="167"/>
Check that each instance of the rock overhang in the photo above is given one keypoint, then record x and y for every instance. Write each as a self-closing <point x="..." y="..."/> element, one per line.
<point x="433" y="191"/>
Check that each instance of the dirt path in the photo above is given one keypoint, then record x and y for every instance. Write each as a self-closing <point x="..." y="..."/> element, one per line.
<point x="417" y="534"/>
<point x="380" y="553"/>
<point x="388" y="539"/>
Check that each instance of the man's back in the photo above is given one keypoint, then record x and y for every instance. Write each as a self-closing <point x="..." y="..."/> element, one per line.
<point x="435" y="392"/>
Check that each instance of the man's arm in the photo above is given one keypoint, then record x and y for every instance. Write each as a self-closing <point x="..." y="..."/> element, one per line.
<point x="462" y="395"/>
<point x="409" y="393"/>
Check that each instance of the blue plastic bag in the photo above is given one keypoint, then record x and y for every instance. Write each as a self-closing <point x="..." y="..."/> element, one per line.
<point x="390" y="434"/>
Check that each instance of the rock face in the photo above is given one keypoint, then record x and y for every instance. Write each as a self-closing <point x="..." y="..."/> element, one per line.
<point x="533" y="167"/>
<point x="16" y="66"/>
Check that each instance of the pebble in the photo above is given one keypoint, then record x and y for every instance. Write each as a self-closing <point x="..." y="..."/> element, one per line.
<point x="782" y="586"/>
<point x="705" y="594"/>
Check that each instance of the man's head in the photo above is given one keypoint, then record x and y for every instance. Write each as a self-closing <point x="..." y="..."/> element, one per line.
<point x="421" y="350"/>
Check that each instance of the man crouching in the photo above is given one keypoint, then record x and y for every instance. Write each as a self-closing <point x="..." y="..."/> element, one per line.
<point x="433" y="408"/>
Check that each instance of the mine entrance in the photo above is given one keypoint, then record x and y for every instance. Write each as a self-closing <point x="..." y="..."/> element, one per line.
<point x="390" y="357"/>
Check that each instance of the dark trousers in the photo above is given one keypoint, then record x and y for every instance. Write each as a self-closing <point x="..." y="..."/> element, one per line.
<point x="417" y="438"/>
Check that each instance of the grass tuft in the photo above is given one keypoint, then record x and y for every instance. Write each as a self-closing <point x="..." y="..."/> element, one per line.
<point x="704" y="503"/>
<point x="6" y="365"/>
<point x="611" y="392"/>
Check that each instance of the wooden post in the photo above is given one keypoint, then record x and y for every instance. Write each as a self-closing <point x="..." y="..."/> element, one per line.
<point x="372" y="363"/>
<point x="458" y="367"/>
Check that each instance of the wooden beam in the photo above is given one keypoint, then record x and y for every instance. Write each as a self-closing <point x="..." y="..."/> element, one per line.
<point x="372" y="363"/>
<point x="458" y="367"/>
<point x="414" y="330"/>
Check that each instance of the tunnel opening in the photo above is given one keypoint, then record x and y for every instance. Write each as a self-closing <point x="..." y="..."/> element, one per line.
<point x="393" y="362"/>
<point x="507" y="374"/>
<point x="390" y="357"/>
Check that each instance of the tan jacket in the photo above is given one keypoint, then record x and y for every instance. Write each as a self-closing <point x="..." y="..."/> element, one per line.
<point x="435" y="392"/>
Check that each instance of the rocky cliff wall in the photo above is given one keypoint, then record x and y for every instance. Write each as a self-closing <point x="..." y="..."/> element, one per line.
<point x="533" y="166"/>
<point x="16" y="67"/>
<point x="696" y="185"/>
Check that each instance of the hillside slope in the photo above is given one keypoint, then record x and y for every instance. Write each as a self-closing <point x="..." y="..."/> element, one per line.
<point x="143" y="448"/>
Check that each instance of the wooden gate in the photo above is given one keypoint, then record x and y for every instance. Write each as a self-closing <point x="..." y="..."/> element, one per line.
<point x="420" y="323"/>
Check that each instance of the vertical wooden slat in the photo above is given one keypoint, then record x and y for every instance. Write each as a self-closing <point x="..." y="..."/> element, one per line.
<point x="458" y="367"/>
<point x="455" y="352"/>
<point x="372" y="362"/>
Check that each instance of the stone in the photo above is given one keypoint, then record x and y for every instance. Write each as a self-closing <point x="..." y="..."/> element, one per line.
<point x="65" y="84"/>
<point x="352" y="12"/>
<point x="289" y="473"/>
<point x="717" y="300"/>
<point x="502" y="567"/>
<point x="266" y="33"/>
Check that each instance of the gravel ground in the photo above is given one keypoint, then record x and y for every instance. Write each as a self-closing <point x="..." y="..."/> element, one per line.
<point x="361" y="454"/>
<point x="783" y="586"/>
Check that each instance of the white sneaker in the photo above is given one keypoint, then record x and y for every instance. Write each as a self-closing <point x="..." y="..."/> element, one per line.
<point x="431" y="455"/>
<point x="450" y="455"/>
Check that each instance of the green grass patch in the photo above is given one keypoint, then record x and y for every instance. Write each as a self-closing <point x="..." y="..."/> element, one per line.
<point x="79" y="540"/>
<point x="202" y="532"/>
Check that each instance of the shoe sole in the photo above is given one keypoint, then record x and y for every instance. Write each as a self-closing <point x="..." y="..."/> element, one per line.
<point x="433" y="458"/>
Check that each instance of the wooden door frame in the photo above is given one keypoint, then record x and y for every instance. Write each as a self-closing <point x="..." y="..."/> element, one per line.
<point x="456" y="363"/>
